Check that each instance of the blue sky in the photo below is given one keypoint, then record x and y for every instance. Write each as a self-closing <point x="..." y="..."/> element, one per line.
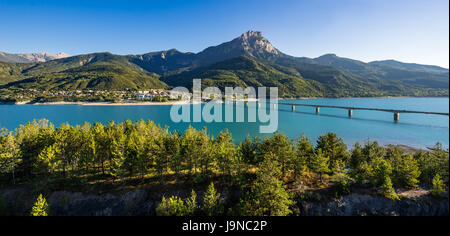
<point x="405" y="30"/>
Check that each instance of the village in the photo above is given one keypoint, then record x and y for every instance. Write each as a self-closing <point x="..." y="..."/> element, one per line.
<point x="127" y="95"/>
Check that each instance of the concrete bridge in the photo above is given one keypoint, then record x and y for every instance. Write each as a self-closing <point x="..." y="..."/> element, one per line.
<point x="351" y="109"/>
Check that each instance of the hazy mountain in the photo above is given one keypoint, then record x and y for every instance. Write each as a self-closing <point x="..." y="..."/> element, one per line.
<point x="412" y="74"/>
<point x="249" y="60"/>
<point x="31" y="57"/>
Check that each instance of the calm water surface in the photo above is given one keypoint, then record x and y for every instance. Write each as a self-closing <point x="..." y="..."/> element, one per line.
<point x="418" y="130"/>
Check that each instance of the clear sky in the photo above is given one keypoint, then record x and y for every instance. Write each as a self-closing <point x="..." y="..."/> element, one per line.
<point x="367" y="30"/>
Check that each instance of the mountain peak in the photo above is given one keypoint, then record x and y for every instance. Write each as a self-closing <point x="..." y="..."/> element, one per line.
<point x="251" y="33"/>
<point x="254" y="42"/>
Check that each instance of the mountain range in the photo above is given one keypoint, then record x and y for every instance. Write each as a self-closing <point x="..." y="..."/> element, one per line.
<point x="249" y="60"/>
<point x="31" y="57"/>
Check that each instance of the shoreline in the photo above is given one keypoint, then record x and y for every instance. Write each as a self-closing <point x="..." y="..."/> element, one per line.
<point x="178" y="102"/>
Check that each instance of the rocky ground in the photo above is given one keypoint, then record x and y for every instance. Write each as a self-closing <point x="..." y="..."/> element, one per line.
<point x="142" y="203"/>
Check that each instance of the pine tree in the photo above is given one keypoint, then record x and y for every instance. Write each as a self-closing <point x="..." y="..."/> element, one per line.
<point x="117" y="157"/>
<point x="212" y="204"/>
<point x="191" y="204"/>
<point x="40" y="207"/>
<point x="248" y="150"/>
<point x="173" y="206"/>
<point x="405" y="170"/>
<point x="9" y="156"/>
<point x="224" y="152"/>
<point x="387" y="189"/>
<point x="382" y="169"/>
<point x="333" y="148"/>
<point x="340" y="179"/>
<point x="268" y="195"/>
<point x="438" y="186"/>
<point x="305" y="153"/>
<point x="320" y="164"/>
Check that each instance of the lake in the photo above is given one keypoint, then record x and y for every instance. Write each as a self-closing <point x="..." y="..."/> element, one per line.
<point x="417" y="130"/>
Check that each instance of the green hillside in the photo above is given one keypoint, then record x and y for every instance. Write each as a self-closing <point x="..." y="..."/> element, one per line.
<point x="415" y="75"/>
<point x="10" y="72"/>
<point x="102" y="71"/>
<point x="244" y="72"/>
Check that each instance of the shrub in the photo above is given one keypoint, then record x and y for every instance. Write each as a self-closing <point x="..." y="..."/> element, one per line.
<point x="438" y="186"/>
<point x="40" y="207"/>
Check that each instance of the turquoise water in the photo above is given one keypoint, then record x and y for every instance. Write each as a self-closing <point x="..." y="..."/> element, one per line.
<point x="418" y="130"/>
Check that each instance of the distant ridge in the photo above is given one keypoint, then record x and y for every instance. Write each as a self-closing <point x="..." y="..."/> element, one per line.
<point x="31" y="57"/>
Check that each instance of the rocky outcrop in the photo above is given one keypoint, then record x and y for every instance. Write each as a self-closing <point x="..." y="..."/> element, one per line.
<point x="144" y="203"/>
<point x="31" y="57"/>
<point x="374" y="205"/>
<point x="135" y="203"/>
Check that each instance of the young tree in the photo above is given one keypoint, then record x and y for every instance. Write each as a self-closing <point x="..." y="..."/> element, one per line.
<point x="320" y="164"/>
<point x="438" y="186"/>
<point x="172" y="145"/>
<point x="268" y="196"/>
<point x="40" y="207"/>
<point x="48" y="160"/>
<point x="117" y="156"/>
<point x="172" y="206"/>
<point x="212" y="204"/>
<point x="340" y="179"/>
<point x="248" y="150"/>
<point x="280" y="144"/>
<point x="32" y="139"/>
<point x="387" y="190"/>
<point x="191" y="204"/>
<point x="382" y="169"/>
<point x="405" y="170"/>
<point x="9" y="156"/>
<point x="333" y="148"/>
<point x="224" y="152"/>
<point x="305" y="154"/>
<point x="432" y="163"/>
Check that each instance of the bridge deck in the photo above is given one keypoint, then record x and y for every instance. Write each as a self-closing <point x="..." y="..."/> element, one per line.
<point x="366" y="108"/>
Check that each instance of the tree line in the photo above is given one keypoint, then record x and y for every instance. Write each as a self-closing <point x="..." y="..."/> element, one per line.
<point x="263" y="168"/>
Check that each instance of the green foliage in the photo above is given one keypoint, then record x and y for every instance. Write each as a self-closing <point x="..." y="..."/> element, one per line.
<point x="9" y="155"/>
<point x="438" y="186"/>
<point x="42" y="155"/>
<point x="303" y="157"/>
<point x="432" y="163"/>
<point x="368" y="165"/>
<point x="191" y="204"/>
<point x="387" y="189"/>
<point x="40" y="208"/>
<point x="248" y="150"/>
<point x="212" y="204"/>
<point x="404" y="169"/>
<point x="280" y="144"/>
<point x="268" y="196"/>
<point x="172" y="206"/>
<point x="333" y="148"/>
<point x="175" y="206"/>
<point x="320" y="163"/>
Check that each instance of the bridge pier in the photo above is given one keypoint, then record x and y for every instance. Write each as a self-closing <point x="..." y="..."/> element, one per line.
<point x="350" y="113"/>
<point x="317" y="110"/>
<point x="396" y="116"/>
<point x="293" y="108"/>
